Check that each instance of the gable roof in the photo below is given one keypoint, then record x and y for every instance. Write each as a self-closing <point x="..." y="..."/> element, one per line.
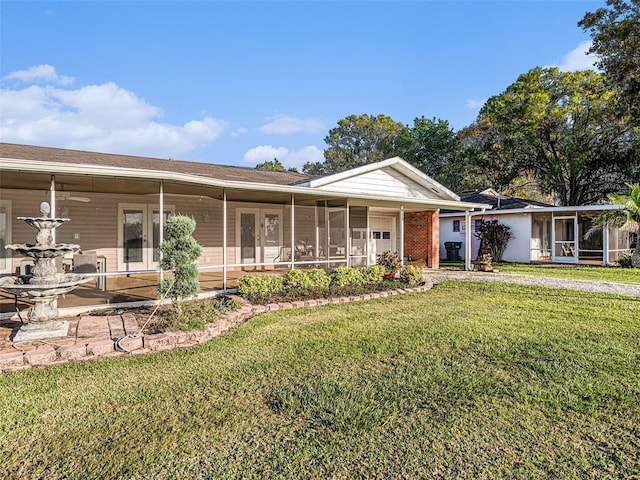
<point x="388" y="178"/>
<point x="208" y="170"/>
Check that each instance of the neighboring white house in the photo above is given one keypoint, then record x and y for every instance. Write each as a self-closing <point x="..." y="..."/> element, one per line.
<point x="541" y="232"/>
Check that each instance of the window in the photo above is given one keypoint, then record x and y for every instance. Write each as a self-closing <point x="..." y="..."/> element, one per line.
<point x="376" y="235"/>
<point x="456" y="225"/>
<point x="477" y="224"/>
<point x="386" y="235"/>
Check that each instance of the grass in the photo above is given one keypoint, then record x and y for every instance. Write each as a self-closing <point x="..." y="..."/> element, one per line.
<point x="602" y="274"/>
<point x="469" y="380"/>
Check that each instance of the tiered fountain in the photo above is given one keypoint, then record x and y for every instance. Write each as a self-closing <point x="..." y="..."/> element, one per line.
<point x="45" y="283"/>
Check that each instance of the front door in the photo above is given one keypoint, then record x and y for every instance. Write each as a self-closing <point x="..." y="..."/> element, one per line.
<point x="564" y="240"/>
<point x="382" y="236"/>
<point x="259" y="231"/>
<point x="139" y="236"/>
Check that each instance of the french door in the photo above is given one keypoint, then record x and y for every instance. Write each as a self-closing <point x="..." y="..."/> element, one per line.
<point x="259" y="234"/>
<point x="139" y="236"/>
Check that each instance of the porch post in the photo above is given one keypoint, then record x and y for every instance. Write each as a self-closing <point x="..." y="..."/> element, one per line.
<point x="347" y="247"/>
<point x="467" y="240"/>
<point x="293" y="237"/>
<point x="368" y="239"/>
<point x="401" y="249"/>
<point x="52" y="201"/>
<point x="605" y="245"/>
<point x="161" y="237"/>
<point x="224" y="239"/>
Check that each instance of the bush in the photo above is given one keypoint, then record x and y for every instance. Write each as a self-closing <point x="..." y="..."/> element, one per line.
<point x="625" y="261"/>
<point x="252" y="286"/>
<point x="411" y="275"/>
<point x="343" y="276"/>
<point x="318" y="279"/>
<point x="373" y="274"/>
<point x="296" y="280"/>
<point x="390" y="261"/>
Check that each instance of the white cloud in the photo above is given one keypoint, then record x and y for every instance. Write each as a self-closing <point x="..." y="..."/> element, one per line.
<point x="295" y="158"/>
<point x="284" y="125"/>
<point x="239" y="131"/>
<point x="103" y="117"/>
<point x="46" y="73"/>
<point x="474" y="104"/>
<point x="578" y="59"/>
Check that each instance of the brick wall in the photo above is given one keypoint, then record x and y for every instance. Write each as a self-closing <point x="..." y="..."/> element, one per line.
<point x="422" y="237"/>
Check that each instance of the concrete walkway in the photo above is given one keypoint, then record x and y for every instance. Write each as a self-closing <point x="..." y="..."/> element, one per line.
<point x="437" y="276"/>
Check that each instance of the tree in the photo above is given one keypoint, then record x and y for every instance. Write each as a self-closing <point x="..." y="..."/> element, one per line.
<point x="356" y="141"/>
<point x="274" y="165"/>
<point x="179" y="253"/>
<point x="494" y="237"/>
<point x="562" y="128"/>
<point x="615" y="31"/>
<point x="432" y="146"/>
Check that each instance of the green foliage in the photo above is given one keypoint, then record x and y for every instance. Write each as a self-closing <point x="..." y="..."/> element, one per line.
<point x="433" y="147"/>
<point x="318" y="279"/>
<point x="179" y="252"/>
<point x="274" y="165"/>
<point x="296" y="280"/>
<point x="563" y="128"/>
<point x="193" y="315"/>
<point x="252" y="286"/>
<point x="373" y="274"/>
<point x="390" y="260"/>
<point x="343" y="276"/>
<point x="357" y="141"/>
<point x="625" y="261"/>
<point x="631" y="203"/>
<point x="411" y="275"/>
<point x="494" y="237"/>
<point x="615" y="31"/>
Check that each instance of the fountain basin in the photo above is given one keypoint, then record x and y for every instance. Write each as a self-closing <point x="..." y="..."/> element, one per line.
<point x="43" y="251"/>
<point x="64" y="283"/>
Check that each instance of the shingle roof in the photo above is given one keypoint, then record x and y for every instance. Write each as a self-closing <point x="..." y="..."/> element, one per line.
<point x="209" y="170"/>
<point x="499" y="202"/>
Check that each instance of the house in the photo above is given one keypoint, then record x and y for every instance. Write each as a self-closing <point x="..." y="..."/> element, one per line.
<point x="541" y="232"/>
<point x="247" y="219"/>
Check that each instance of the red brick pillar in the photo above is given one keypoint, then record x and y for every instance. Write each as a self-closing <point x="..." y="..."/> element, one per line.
<point x="434" y="240"/>
<point x="421" y="237"/>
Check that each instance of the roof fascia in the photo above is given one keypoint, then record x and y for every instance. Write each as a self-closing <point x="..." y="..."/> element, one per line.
<point x="564" y="209"/>
<point x="34" y="166"/>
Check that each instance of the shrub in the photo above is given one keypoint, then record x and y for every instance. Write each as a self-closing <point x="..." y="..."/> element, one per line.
<point x="625" y="261"/>
<point x="343" y="276"/>
<point x="373" y="274"/>
<point x="411" y="275"/>
<point x="390" y="261"/>
<point x="252" y="286"/>
<point x="179" y="252"/>
<point x="318" y="279"/>
<point x="296" y="280"/>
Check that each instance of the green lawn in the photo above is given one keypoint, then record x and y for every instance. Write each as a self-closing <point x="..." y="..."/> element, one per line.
<point x="603" y="274"/>
<point x="469" y="380"/>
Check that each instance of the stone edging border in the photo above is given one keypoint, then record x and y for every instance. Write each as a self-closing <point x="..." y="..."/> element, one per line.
<point x="47" y="354"/>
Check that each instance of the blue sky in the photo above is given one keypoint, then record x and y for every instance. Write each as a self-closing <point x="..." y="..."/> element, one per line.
<point x="242" y="82"/>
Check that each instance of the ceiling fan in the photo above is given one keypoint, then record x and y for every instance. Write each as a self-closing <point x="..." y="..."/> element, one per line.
<point x="68" y="196"/>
